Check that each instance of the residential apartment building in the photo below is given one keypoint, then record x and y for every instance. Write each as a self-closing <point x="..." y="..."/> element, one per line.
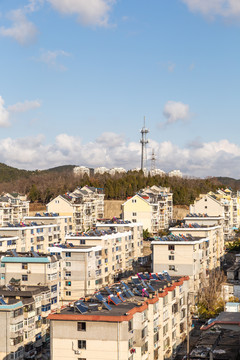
<point x="192" y="250"/>
<point x="85" y="205"/>
<point x="175" y="173"/>
<point x="153" y="207"/>
<point x="98" y="257"/>
<point x="31" y="268"/>
<point x="24" y="324"/>
<point x="223" y="203"/>
<point x="81" y="171"/>
<point x="82" y="270"/>
<point x="139" y="320"/>
<point x="13" y="208"/>
<point x="62" y="223"/>
<point x="231" y="287"/>
<point x="32" y="237"/>
<point x="8" y="242"/>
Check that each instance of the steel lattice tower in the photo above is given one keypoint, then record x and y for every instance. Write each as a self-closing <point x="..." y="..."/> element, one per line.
<point x="144" y="143"/>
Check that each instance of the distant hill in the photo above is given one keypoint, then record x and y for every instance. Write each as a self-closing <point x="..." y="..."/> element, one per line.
<point x="8" y="173"/>
<point x="229" y="182"/>
<point x="60" y="169"/>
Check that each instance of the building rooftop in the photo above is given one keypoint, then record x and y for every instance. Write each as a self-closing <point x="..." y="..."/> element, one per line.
<point x="178" y="238"/>
<point x="119" y="301"/>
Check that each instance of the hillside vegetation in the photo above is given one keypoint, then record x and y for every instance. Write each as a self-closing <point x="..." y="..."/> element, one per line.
<point x="41" y="186"/>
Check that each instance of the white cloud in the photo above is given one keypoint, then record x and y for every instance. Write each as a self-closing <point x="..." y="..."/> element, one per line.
<point x="4" y="114"/>
<point x="200" y="159"/>
<point x="211" y="8"/>
<point x="175" y="111"/>
<point x="24" y="106"/>
<point x="50" y="58"/>
<point x="22" y="30"/>
<point x="89" y="12"/>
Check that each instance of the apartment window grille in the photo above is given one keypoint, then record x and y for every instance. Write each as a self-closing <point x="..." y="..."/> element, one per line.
<point x="171" y="247"/>
<point x="82" y="344"/>
<point x="81" y="326"/>
<point x="24" y="278"/>
<point x="68" y="254"/>
<point x="171" y="257"/>
<point x="68" y="293"/>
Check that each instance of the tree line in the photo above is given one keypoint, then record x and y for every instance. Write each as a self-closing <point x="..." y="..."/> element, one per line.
<point x="43" y="186"/>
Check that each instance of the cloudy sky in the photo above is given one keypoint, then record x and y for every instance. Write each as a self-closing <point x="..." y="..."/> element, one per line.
<point x="77" y="78"/>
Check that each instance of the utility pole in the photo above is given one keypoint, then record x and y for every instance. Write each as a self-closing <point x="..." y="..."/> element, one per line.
<point x="144" y="143"/>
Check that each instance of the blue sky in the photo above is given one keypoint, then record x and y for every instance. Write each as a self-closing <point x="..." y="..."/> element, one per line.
<point x="78" y="76"/>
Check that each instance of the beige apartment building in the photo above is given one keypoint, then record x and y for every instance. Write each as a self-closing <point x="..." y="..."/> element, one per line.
<point x="153" y="207"/>
<point x="85" y="205"/>
<point x="30" y="269"/>
<point x="192" y="251"/>
<point x="223" y="203"/>
<point x="13" y="208"/>
<point x="24" y="324"/>
<point x="62" y="223"/>
<point x="98" y="257"/>
<point x="103" y="327"/>
<point x="35" y="236"/>
<point x="8" y="242"/>
<point x="82" y="271"/>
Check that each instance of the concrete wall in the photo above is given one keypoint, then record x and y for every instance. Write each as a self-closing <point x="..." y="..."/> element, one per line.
<point x="112" y="208"/>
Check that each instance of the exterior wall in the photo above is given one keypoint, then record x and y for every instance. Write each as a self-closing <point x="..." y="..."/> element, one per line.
<point x="142" y="209"/>
<point x="33" y="238"/>
<point x="60" y="206"/>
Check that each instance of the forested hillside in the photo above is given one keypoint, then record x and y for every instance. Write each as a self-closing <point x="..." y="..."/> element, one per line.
<point x="41" y="186"/>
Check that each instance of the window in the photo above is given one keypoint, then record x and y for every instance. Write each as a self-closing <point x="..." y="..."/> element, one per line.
<point x="134" y="200"/>
<point x="134" y="220"/>
<point x="172" y="267"/>
<point x="24" y="278"/>
<point x="130" y="325"/>
<point x="171" y="257"/>
<point x="68" y="293"/>
<point x="171" y="247"/>
<point x="82" y="344"/>
<point x="81" y="326"/>
<point x="25" y="266"/>
<point x="134" y="214"/>
<point x="68" y="283"/>
<point x="68" y="273"/>
<point x="68" y="254"/>
<point x="82" y="359"/>
<point x="68" y="263"/>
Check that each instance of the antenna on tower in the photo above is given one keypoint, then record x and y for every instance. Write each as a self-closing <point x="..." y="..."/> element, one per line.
<point x="144" y="143"/>
<point x="153" y="162"/>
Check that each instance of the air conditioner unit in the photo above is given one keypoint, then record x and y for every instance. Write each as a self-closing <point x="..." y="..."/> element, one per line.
<point x="29" y="272"/>
<point x="77" y="352"/>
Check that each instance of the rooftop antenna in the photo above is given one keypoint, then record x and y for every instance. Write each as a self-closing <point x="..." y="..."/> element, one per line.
<point x="144" y="143"/>
<point x="153" y="162"/>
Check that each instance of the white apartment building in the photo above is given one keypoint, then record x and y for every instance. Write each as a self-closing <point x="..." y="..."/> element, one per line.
<point x="81" y="170"/>
<point x="112" y="325"/>
<point x="115" y="171"/>
<point x="13" y="208"/>
<point x="176" y="173"/>
<point x="155" y="172"/>
<point x="101" y="170"/>
<point x="84" y="205"/>
<point x="30" y="237"/>
<point x="191" y="250"/>
<point x="24" y="325"/>
<point x="98" y="257"/>
<point x="153" y="207"/>
<point x="31" y="269"/>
